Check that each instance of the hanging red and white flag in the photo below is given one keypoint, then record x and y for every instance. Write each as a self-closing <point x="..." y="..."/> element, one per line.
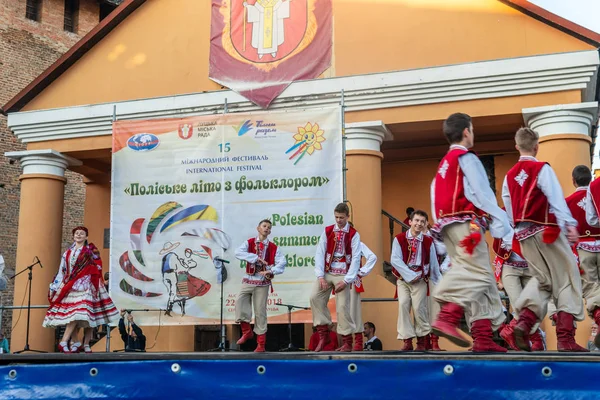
<point x="259" y="47"/>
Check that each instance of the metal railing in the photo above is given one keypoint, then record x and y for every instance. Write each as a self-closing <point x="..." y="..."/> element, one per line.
<point x="392" y="221"/>
<point x="42" y="307"/>
<point x="2" y="308"/>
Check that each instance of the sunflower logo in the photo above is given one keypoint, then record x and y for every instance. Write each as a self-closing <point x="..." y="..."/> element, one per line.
<point x="308" y="139"/>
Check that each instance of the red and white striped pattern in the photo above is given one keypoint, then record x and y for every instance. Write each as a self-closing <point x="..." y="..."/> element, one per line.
<point x="90" y="308"/>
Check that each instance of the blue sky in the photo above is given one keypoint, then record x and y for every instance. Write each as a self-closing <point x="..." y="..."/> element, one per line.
<point x="583" y="12"/>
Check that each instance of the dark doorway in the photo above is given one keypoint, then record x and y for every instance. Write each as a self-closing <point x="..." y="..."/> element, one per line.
<point x="206" y="337"/>
<point x="277" y="338"/>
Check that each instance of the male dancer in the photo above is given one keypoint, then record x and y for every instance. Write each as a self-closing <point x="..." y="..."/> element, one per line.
<point x="434" y="279"/>
<point x="356" y="290"/>
<point x="588" y="248"/>
<point x="463" y="202"/>
<point x="512" y="272"/>
<point x="413" y="255"/>
<point x="263" y="262"/>
<point x="535" y="203"/>
<point x="337" y="262"/>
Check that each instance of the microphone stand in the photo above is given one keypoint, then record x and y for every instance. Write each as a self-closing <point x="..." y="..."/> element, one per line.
<point x="290" y="307"/>
<point x="223" y="339"/>
<point x="30" y="278"/>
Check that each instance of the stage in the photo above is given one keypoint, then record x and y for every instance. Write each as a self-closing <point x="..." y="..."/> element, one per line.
<point x="301" y="375"/>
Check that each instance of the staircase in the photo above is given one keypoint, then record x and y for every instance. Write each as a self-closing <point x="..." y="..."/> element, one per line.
<point x="395" y="226"/>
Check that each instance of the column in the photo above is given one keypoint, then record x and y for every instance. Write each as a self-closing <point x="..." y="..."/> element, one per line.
<point x="565" y="136"/>
<point x="40" y="234"/>
<point x="97" y="216"/>
<point x="363" y="183"/>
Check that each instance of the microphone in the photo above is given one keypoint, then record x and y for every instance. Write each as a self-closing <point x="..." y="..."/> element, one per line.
<point x="221" y="260"/>
<point x="35" y="263"/>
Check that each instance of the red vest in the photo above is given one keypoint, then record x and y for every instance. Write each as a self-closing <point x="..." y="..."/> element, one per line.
<point x="576" y="203"/>
<point x="595" y="192"/>
<point x="254" y="248"/>
<point x="529" y="203"/>
<point x="450" y="197"/>
<point x="407" y="251"/>
<point x="332" y="243"/>
<point x="499" y="250"/>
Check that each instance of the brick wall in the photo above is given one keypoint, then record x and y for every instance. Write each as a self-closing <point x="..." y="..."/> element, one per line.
<point x="27" y="48"/>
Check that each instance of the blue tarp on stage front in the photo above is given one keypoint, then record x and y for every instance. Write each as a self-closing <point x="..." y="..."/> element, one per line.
<point x="301" y="376"/>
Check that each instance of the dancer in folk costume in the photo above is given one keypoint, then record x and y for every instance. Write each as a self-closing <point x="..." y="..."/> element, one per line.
<point x="337" y="262"/>
<point x="356" y="290"/>
<point x="434" y="278"/>
<point x="263" y="260"/>
<point x="463" y="203"/>
<point x="77" y="296"/>
<point x="543" y="227"/>
<point x="588" y="248"/>
<point x="413" y="255"/>
<point x="512" y="274"/>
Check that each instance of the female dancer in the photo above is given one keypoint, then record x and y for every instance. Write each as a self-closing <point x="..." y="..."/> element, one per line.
<point x="78" y="298"/>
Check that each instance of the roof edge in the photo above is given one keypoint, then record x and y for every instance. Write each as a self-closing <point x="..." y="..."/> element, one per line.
<point x="71" y="56"/>
<point x="129" y="6"/>
<point x="569" y="27"/>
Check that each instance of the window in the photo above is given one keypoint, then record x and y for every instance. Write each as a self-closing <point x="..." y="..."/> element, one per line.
<point x="490" y="168"/>
<point x="71" y="15"/>
<point x="33" y="10"/>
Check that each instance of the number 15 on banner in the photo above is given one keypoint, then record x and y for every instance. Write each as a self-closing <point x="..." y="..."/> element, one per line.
<point x="225" y="148"/>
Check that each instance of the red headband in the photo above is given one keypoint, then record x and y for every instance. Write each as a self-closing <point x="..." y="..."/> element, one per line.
<point x="81" y="228"/>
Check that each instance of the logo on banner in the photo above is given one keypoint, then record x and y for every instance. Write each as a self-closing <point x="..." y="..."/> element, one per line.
<point x="308" y="139"/>
<point x="185" y="131"/>
<point x="243" y="128"/>
<point x="143" y="142"/>
<point x="263" y="130"/>
<point x="282" y="41"/>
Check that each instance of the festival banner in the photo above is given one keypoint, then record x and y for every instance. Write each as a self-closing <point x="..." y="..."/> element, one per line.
<point x="259" y="47"/>
<point x="186" y="191"/>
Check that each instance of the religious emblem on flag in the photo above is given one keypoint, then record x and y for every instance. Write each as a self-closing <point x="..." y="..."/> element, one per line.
<point x="259" y="47"/>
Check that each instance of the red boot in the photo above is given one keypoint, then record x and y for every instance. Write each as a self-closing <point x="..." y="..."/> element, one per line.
<point x="434" y="343"/>
<point x="508" y="334"/>
<point x="447" y="324"/>
<point x="358" y="342"/>
<point x="346" y="343"/>
<point x="525" y="323"/>
<point x="407" y="346"/>
<point x="482" y="333"/>
<point x="246" y="332"/>
<point x="596" y="316"/>
<point x="565" y="333"/>
<point x="260" y="340"/>
<point x="537" y="342"/>
<point x="422" y="343"/>
<point x="323" y="331"/>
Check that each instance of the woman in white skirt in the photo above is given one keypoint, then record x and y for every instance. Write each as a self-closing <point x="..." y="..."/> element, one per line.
<point x="78" y="298"/>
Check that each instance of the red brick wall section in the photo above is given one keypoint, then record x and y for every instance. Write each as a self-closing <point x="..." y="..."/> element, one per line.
<point x="27" y="48"/>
